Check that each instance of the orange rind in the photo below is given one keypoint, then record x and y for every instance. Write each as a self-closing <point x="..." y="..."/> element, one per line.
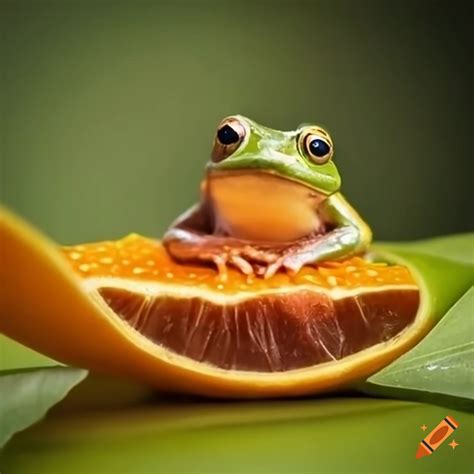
<point x="125" y="307"/>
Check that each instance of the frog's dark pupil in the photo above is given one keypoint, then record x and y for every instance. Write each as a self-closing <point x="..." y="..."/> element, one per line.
<point x="318" y="147"/>
<point x="227" y="135"/>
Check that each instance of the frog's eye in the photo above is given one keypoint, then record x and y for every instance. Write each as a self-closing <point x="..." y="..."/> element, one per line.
<point x="318" y="148"/>
<point x="230" y="134"/>
<point x="227" y="135"/>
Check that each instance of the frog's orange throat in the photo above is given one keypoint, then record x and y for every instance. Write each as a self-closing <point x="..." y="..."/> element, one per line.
<point x="260" y="206"/>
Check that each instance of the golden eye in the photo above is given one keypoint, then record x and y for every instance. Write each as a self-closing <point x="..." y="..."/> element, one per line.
<point x="317" y="146"/>
<point x="230" y="134"/>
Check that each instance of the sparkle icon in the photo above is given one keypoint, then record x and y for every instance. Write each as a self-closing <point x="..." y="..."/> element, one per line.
<point x="453" y="444"/>
<point x="423" y="427"/>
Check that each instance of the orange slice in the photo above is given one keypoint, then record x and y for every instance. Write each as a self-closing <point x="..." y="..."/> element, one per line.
<point x="124" y="307"/>
<point x="233" y="322"/>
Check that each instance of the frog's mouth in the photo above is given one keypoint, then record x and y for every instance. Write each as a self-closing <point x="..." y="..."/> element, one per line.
<point x="261" y="205"/>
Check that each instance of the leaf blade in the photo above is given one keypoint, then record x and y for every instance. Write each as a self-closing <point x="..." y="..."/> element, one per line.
<point x="30" y="384"/>
<point x="27" y="396"/>
<point x="450" y="372"/>
<point x="15" y="356"/>
<point x="457" y="247"/>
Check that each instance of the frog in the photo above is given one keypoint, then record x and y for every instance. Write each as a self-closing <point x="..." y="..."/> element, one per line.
<point x="270" y="201"/>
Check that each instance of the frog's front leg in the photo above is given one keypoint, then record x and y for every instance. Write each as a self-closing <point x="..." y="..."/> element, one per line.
<point x="192" y="238"/>
<point x="349" y="235"/>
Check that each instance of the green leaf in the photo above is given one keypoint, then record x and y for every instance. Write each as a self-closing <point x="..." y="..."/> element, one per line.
<point x="15" y="356"/>
<point x="27" y="396"/>
<point x="30" y="384"/>
<point x="442" y="363"/>
<point x="458" y="247"/>
<point x="326" y="435"/>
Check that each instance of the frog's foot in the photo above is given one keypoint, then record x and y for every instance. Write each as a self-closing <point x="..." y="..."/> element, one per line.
<point x="264" y="260"/>
<point x="301" y="253"/>
<point x="250" y="259"/>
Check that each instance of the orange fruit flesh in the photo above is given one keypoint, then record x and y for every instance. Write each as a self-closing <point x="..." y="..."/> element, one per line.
<point x="319" y="315"/>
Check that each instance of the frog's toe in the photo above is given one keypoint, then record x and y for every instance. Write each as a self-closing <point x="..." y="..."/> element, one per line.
<point x="242" y="264"/>
<point x="293" y="263"/>
<point x="220" y="261"/>
<point x="259" y="255"/>
<point x="273" y="268"/>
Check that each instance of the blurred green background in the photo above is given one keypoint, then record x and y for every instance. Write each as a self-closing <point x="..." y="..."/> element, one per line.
<point x="109" y="108"/>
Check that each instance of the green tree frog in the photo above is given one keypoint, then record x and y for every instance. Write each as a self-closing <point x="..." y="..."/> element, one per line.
<point x="270" y="200"/>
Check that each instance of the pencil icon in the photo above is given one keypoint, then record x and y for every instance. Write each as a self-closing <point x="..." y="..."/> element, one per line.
<point x="437" y="436"/>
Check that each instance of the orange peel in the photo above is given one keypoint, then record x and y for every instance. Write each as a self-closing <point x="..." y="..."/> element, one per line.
<point x="68" y="303"/>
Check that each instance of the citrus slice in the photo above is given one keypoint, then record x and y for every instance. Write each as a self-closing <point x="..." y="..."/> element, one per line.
<point x="124" y="307"/>
<point x="237" y="323"/>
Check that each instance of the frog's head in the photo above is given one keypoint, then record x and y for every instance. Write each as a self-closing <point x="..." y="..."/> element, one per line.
<point x="303" y="155"/>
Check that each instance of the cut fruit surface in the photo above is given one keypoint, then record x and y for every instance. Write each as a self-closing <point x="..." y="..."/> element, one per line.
<point x="124" y="307"/>
<point x="141" y="259"/>
<point x="283" y="323"/>
<point x="273" y="332"/>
